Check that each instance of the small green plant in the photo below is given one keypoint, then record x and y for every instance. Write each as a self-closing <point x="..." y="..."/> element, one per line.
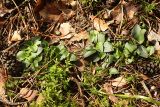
<point x="31" y="54"/>
<point x="148" y="7"/>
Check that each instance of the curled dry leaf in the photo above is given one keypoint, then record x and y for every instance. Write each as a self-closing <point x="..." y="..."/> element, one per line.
<point x="16" y="36"/>
<point x="108" y="88"/>
<point x="66" y="28"/>
<point x="99" y="24"/>
<point x="28" y="94"/>
<point x="119" y="82"/>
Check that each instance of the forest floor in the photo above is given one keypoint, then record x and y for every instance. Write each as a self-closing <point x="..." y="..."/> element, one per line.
<point x="87" y="53"/>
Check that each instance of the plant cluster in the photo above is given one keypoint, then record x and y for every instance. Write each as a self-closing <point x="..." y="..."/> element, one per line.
<point x="107" y="51"/>
<point x="35" y="51"/>
<point x="54" y="83"/>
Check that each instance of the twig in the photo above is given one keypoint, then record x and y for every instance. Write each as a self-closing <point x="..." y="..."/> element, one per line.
<point x="7" y="49"/>
<point x="37" y="72"/>
<point x="79" y="89"/>
<point x="20" y="14"/>
<point x="5" y="101"/>
<point x="146" y="89"/>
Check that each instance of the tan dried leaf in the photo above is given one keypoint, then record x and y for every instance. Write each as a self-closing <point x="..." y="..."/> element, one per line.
<point x="131" y="10"/>
<point x="50" y="12"/>
<point x="3" y="78"/>
<point x="80" y="36"/>
<point x="144" y="77"/>
<point x="99" y="24"/>
<point x="55" y="10"/>
<point x="28" y="94"/>
<point x="153" y="36"/>
<point x="66" y="28"/>
<point x="117" y="14"/>
<point x="16" y="36"/>
<point x="119" y="82"/>
<point x="68" y="36"/>
<point x="73" y="3"/>
<point x="157" y="46"/>
<point x="108" y="88"/>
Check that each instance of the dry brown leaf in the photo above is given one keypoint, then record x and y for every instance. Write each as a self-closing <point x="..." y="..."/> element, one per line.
<point x="99" y="24"/>
<point x="144" y="77"/>
<point x="119" y="82"/>
<point x="157" y="46"/>
<point x="66" y="28"/>
<point x="119" y="18"/>
<point x="80" y="36"/>
<point x="158" y="28"/>
<point x="16" y="36"/>
<point x="153" y="36"/>
<point x="56" y="11"/>
<point x="125" y="32"/>
<point x="28" y="94"/>
<point x="3" y="78"/>
<point x="131" y="10"/>
<point x="51" y="12"/>
<point x="108" y="88"/>
<point x="67" y="14"/>
<point x="80" y="65"/>
<point x="73" y="3"/>
<point x="68" y="36"/>
<point x="117" y="14"/>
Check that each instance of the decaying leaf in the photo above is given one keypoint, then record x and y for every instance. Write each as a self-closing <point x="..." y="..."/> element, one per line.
<point x="119" y="82"/>
<point x="131" y="10"/>
<point x="108" y="88"/>
<point x="144" y="77"/>
<point x="153" y="36"/>
<point x="117" y="13"/>
<point x="16" y="36"/>
<point x="80" y="36"/>
<point x="66" y="28"/>
<point x="73" y="3"/>
<point x="28" y="94"/>
<point x="3" y="12"/>
<point x="56" y="11"/>
<point x="2" y="81"/>
<point x="157" y="46"/>
<point x="99" y="24"/>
